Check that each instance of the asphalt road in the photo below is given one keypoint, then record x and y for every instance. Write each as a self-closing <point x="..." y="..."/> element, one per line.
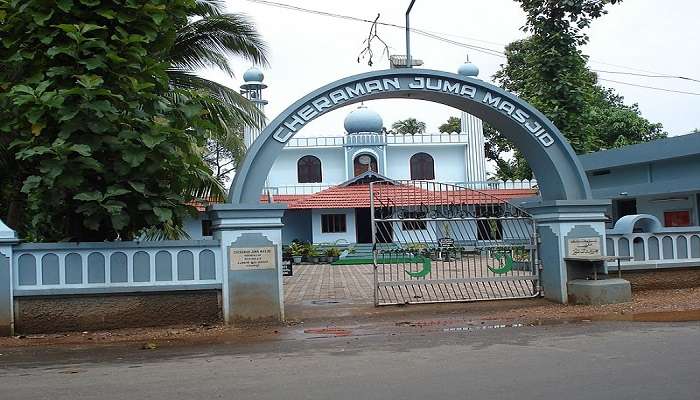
<point x="605" y="360"/>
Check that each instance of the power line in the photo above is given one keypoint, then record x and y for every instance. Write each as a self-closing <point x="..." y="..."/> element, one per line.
<point x="486" y="50"/>
<point x="651" y="87"/>
<point x="647" y="75"/>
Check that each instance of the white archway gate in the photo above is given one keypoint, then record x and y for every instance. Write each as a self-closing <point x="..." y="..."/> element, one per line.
<point x="564" y="211"/>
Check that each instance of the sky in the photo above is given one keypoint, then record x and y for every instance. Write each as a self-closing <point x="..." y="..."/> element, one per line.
<point x="307" y="51"/>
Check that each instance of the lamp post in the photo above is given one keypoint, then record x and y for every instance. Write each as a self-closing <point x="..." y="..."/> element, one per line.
<point x="409" y="63"/>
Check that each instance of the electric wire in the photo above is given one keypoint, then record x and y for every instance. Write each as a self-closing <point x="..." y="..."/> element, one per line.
<point x="489" y="51"/>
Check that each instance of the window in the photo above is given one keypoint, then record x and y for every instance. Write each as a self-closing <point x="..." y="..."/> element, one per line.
<point x="333" y="223"/>
<point x="422" y="167"/>
<point x="206" y="227"/>
<point x="419" y="225"/>
<point x="676" y="218"/>
<point x="309" y="170"/>
<point x="364" y="163"/>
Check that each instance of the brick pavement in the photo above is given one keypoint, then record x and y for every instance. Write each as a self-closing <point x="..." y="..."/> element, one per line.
<point x="343" y="283"/>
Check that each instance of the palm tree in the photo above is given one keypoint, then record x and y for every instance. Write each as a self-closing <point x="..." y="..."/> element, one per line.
<point x="409" y="126"/>
<point x="209" y="40"/>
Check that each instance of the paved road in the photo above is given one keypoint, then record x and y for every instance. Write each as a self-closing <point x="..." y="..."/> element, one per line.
<point x="615" y="360"/>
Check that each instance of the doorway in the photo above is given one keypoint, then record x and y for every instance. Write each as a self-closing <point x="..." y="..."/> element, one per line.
<point x="363" y="225"/>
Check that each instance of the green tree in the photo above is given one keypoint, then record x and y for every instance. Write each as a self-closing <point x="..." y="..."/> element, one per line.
<point x="453" y="125"/>
<point x="97" y="146"/>
<point x="408" y="126"/>
<point x="210" y="39"/>
<point x="549" y="71"/>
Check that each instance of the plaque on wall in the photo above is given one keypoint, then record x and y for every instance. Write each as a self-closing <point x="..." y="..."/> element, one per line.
<point x="446" y="242"/>
<point x="583" y="247"/>
<point x="247" y="258"/>
<point x="287" y="266"/>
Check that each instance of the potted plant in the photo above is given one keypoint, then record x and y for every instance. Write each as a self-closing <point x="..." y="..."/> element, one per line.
<point x="521" y="259"/>
<point x="297" y="251"/>
<point x="333" y="253"/>
<point x="312" y="253"/>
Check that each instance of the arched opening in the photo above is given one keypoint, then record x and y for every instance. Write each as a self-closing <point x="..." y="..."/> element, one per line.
<point x="422" y="167"/>
<point x="309" y="170"/>
<point x="558" y="170"/>
<point x="363" y="163"/>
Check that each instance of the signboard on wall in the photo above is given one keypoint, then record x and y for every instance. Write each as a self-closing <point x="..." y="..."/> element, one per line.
<point x="247" y="258"/>
<point x="287" y="266"/>
<point x="583" y="247"/>
<point x="446" y="242"/>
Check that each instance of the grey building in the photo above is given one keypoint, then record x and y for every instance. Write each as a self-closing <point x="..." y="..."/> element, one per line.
<point x="661" y="178"/>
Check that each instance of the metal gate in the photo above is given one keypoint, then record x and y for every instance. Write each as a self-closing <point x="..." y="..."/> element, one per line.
<point x="436" y="242"/>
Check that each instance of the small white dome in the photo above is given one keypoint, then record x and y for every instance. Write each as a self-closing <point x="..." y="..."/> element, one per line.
<point x="362" y="120"/>
<point x="468" y="69"/>
<point x="253" y="75"/>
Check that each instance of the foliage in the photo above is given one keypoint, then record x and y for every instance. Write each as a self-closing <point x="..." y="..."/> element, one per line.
<point x="209" y="40"/>
<point x="100" y="152"/>
<point x="297" y="249"/>
<point x="224" y="152"/>
<point x="332" y="252"/>
<point x="549" y="71"/>
<point x="409" y="126"/>
<point x="453" y="125"/>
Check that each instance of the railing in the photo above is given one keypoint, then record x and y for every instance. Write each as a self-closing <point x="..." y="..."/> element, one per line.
<point x="360" y="139"/>
<point x="317" y="141"/>
<point x="71" y="268"/>
<point x="302" y="189"/>
<point x="428" y="138"/>
<point x="657" y="248"/>
<point x="376" y="139"/>
<point x="295" y="189"/>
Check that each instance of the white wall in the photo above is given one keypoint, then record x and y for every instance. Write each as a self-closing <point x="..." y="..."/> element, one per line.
<point x="284" y="170"/>
<point x="647" y="205"/>
<point x="349" y="235"/>
<point x="449" y="161"/>
<point x="193" y="227"/>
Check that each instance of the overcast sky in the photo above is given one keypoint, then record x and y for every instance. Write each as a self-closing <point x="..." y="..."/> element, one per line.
<point x="308" y="51"/>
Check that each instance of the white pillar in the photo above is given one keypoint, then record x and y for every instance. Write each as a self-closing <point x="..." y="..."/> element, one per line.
<point x="8" y="239"/>
<point x="476" y="159"/>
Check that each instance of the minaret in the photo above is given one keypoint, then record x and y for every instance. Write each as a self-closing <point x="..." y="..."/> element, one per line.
<point x="252" y="90"/>
<point x="473" y="127"/>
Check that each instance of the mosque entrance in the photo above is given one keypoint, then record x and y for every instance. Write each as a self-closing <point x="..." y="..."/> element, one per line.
<point x="363" y="225"/>
<point x="450" y="244"/>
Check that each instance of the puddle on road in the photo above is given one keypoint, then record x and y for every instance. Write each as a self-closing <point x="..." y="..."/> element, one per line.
<point x="337" y="332"/>
<point x="484" y="327"/>
<point x="656" y="316"/>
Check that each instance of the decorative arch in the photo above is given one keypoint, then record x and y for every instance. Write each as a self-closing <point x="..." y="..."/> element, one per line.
<point x="558" y="170"/>
<point x="363" y="162"/>
<point x="309" y="170"/>
<point x="422" y="166"/>
<point x="645" y="223"/>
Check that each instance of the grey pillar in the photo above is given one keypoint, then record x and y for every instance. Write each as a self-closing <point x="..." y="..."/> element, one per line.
<point x="558" y="222"/>
<point x="8" y="238"/>
<point x="251" y="244"/>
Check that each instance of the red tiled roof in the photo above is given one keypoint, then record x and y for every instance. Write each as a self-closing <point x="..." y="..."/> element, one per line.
<point x="357" y="196"/>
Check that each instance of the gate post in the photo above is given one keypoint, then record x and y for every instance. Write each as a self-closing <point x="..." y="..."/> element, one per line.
<point x="558" y="222"/>
<point x="250" y="237"/>
<point x="8" y="238"/>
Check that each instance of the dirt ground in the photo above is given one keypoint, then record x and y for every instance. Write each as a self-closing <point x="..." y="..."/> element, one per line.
<point x="672" y="295"/>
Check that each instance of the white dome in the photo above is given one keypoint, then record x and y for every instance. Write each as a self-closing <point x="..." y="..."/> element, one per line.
<point x="468" y="69"/>
<point x="253" y="75"/>
<point x="362" y="120"/>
